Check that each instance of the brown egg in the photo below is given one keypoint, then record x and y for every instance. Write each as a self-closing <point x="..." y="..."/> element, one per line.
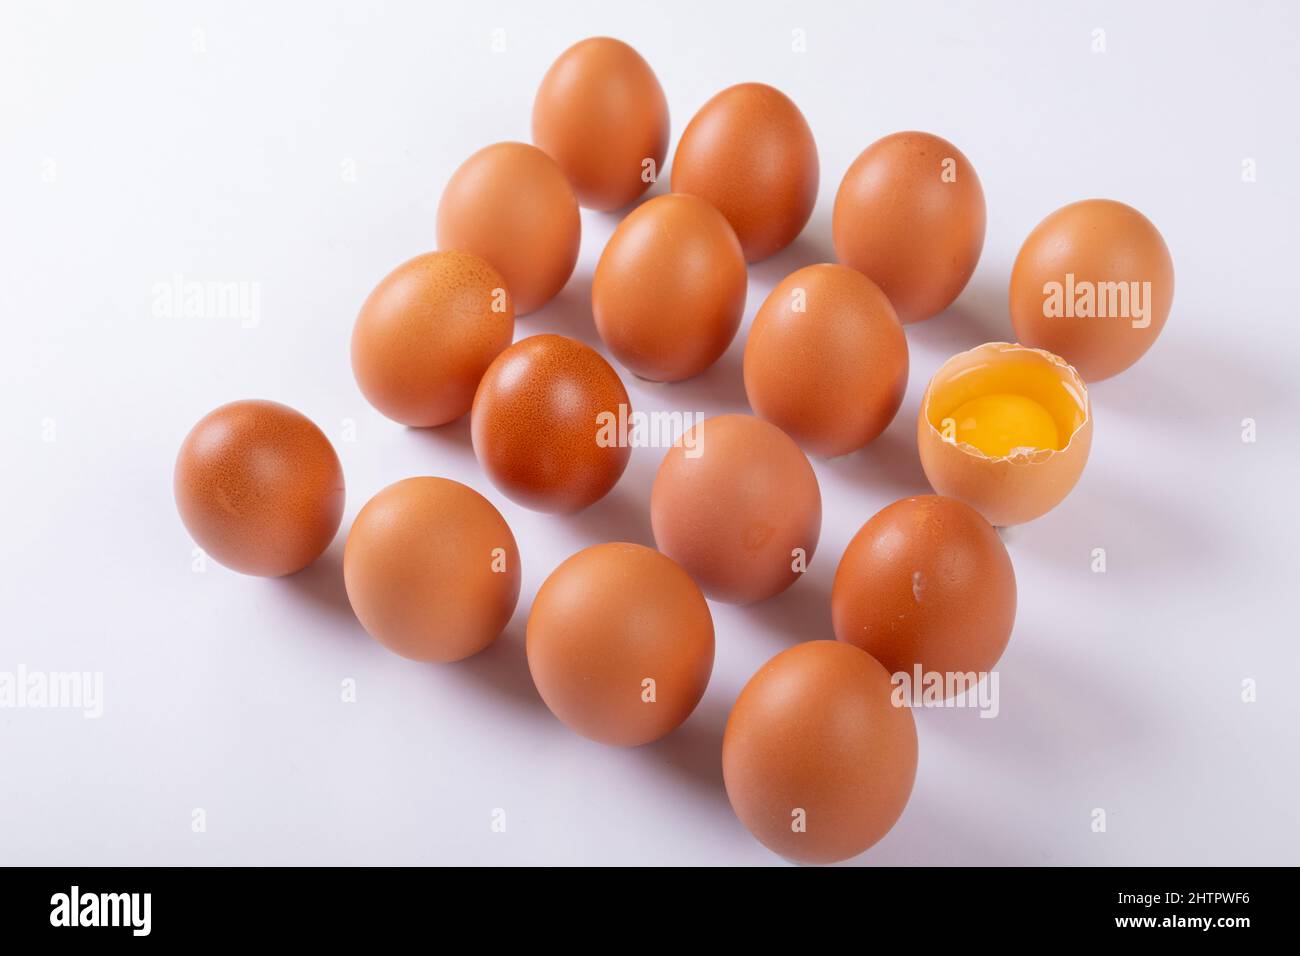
<point x="510" y="204"/>
<point x="817" y="760"/>
<point x="426" y="335"/>
<point x="431" y="569"/>
<point x="737" y="505"/>
<point x="544" y="424"/>
<point x="926" y="582"/>
<point x="259" y="488"/>
<point x="750" y="153"/>
<point x="669" y="290"/>
<point x="1093" y="284"/>
<point x="910" y="214"/>
<point x="1030" y="412"/>
<point x="601" y="114"/>
<point x="826" y="359"/>
<point x="620" y="644"/>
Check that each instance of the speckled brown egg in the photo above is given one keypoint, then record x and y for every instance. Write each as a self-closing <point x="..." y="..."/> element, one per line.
<point x="431" y="569"/>
<point x="926" y="582"/>
<point x="749" y="152"/>
<point x="620" y="644"/>
<point x="669" y="290"/>
<point x="545" y="424"/>
<point x="1093" y="283"/>
<point x="736" y="504"/>
<point x="426" y="335"/>
<point x="910" y="215"/>
<point x="510" y="204"/>
<point x="601" y="114"/>
<point x="826" y="359"/>
<point x="259" y="488"/>
<point x="818" y="761"/>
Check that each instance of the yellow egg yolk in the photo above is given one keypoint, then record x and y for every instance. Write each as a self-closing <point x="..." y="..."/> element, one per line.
<point x="1001" y="423"/>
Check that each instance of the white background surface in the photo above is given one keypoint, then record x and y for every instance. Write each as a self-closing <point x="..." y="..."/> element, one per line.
<point x="141" y="141"/>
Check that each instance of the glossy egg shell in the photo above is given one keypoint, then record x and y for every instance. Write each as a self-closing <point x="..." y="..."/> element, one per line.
<point x="601" y="114"/>
<point x="815" y="740"/>
<point x="426" y="335"/>
<point x="910" y="215"/>
<point x="669" y="289"/>
<point x="259" y="488"/>
<point x="826" y="359"/>
<point x="928" y="582"/>
<point x="749" y="152"/>
<point x="510" y="204"/>
<point x="537" y="421"/>
<point x="741" y="515"/>
<point x="1101" y="242"/>
<point x="607" y="621"/>
<point x="431" y="569"/>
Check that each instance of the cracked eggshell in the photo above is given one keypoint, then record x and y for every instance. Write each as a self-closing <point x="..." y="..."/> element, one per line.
<point x="606" y="621"/>
<point x="815" y="738"/>
<point x="927" y="581"/>
<point x="1021" y="487"/>
<point x="431" y="569"/>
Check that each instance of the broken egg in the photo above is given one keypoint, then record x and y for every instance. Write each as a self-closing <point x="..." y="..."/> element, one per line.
<point x="1006" y="429"/>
